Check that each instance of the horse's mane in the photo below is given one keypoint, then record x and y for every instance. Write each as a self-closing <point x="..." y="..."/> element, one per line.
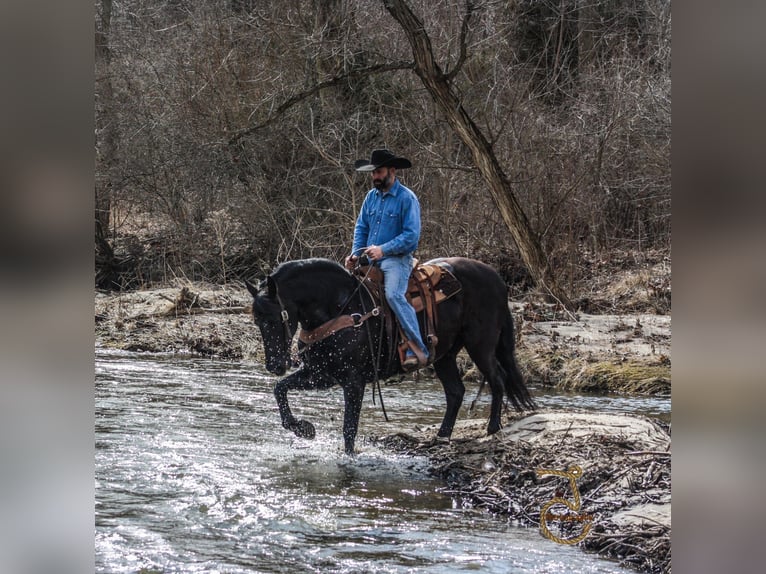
<point x="313" y="264"/>
<point x="313" y="278"/>
<point x="319" y="271"/>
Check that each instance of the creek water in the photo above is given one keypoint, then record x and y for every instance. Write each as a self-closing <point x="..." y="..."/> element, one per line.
<point x="194" y="473"/>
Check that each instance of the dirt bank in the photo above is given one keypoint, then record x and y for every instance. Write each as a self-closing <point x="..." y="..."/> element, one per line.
<point x="572" y="351"/>
<point x="201" y="320"/>
<point x="605" y="353"/>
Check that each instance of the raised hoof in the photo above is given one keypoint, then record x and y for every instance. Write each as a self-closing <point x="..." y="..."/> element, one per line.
<point x="304" y="429"/>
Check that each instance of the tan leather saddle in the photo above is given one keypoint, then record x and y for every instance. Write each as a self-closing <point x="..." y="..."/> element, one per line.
<point x="429" y="285"/>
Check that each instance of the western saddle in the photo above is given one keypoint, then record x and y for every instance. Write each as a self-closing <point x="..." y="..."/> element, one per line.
<point x="430" y="284"/>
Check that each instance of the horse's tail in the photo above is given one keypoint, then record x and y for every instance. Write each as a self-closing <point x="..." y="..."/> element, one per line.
<point x="515" y="387"/>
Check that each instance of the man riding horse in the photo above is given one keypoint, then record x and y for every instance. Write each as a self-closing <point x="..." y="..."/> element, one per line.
<point x="342" y="336"/>
<point x="387" y="231"/>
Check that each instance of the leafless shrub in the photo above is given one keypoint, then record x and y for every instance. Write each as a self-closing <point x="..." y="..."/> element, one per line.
<point x="234" y="125"/>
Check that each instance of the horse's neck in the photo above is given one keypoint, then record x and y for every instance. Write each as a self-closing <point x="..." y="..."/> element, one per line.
<point x="318" y="299"/>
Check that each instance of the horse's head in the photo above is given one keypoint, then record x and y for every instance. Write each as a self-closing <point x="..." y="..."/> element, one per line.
<point x="276" y="321"/>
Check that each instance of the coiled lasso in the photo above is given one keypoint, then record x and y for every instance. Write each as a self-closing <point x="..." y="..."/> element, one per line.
<point x="572" y="473"/>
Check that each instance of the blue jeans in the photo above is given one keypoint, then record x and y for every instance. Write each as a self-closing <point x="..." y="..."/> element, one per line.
<point x="396" y="274"/>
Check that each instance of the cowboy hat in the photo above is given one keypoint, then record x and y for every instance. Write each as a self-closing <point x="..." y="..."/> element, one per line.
<point x="381" y="158"/>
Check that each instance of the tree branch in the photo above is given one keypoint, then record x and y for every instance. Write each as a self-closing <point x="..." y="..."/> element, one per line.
<point x="316" y="88"/>
<point x="463" y="40"/>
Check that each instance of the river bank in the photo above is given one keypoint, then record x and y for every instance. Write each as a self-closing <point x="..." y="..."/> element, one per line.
<point x="616" y="352"/>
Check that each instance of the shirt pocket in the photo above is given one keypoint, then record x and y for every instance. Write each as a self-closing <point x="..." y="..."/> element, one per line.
<point x="391" y="216"/>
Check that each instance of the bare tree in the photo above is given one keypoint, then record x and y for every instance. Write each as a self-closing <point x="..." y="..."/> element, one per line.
<point x="438" y="84"/>
<point x="245" y="117"/>
<point x="106" y="146"/>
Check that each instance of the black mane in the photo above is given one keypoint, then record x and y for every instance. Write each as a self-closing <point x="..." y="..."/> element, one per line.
<point x="313" y="265"/>
<point x="310" y="275"/>
<point x="317" y="283"/>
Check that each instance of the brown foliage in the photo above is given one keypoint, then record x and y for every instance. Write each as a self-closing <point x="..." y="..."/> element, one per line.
<point x="226" y="131"/>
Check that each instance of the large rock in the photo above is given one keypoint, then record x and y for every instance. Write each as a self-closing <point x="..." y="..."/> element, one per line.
<point x="553" y="428"/>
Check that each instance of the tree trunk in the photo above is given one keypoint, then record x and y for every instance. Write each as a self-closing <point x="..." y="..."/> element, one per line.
<point x="438" y="85"/>
<point x="106" y="150"/>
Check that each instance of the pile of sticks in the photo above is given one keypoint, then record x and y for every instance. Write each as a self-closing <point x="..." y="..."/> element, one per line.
<point x="502" y="476"/>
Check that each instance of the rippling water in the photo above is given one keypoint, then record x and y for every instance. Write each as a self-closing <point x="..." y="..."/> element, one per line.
<point x="194" y="473"/>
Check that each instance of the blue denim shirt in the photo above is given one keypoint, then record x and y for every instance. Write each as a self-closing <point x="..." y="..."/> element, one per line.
<point x="390" y="220"/>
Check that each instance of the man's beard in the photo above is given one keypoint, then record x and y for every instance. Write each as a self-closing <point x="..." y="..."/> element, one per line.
<point x="382" y="184"/>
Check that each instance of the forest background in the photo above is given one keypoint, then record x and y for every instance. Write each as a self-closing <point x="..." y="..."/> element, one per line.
<point x="226" y="133"/>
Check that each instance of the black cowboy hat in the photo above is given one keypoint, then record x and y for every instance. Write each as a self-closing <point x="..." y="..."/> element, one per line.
<point x="381" y="158"/>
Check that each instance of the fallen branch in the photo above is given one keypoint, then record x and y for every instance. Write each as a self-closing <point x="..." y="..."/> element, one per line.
<point x="219" y="310"/>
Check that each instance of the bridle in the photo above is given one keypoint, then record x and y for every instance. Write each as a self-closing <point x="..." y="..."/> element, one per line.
<point x="328" y="328"/>
<point x="285" y="316"/>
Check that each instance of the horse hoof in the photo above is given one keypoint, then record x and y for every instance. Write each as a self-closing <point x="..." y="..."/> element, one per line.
<point x="304" y="429"/>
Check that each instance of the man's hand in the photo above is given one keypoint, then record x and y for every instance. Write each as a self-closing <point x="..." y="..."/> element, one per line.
<point x="351" y="262"/>
<point x="374" y="252"/>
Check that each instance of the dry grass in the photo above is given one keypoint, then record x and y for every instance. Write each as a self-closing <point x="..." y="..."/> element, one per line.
<point x="571" y="372"/>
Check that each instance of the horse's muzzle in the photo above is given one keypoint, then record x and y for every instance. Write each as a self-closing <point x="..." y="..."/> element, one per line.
<point x="275" y="366"/>
<point x="278" y="369"/>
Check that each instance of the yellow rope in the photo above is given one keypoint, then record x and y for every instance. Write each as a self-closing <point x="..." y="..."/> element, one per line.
<point x="572" y="473"/>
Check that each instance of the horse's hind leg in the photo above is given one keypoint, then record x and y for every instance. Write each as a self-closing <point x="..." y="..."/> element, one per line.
<point x="488" y="366"/>
<point x="447" y="371"/>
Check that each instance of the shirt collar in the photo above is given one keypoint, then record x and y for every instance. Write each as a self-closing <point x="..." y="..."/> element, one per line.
<point x="394" y="191"/>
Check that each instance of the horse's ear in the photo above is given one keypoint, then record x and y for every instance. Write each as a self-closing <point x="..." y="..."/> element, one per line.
<point x="271" y="285"/>
<point x="252" y="288"/>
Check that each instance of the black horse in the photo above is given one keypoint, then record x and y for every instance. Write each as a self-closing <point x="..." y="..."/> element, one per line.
<point x="313" y="292"/>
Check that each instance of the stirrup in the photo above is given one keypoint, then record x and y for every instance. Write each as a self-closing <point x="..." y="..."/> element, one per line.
<point x="411" y="362"/>
<point x="413" y="352"/>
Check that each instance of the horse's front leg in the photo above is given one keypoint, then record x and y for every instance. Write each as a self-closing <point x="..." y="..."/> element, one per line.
<point x="298" y="380"/>
<point x="353" y="393"/>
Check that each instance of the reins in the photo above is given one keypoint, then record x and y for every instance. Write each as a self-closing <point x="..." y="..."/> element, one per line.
<point x="341" y="321"/>
<point x="373" y="354"/>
